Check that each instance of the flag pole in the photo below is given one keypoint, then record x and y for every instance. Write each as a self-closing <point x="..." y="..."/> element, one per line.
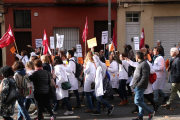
<point x="16" y="48"/>
<point x="85" y="37"/>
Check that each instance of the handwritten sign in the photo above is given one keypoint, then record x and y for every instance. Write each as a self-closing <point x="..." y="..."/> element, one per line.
<point x="136" y="43"/>
<point x="80" y="60"/>
<point x="79" y="50"/>
<point x="13" y="50"/>
<point x="38" y="42"/>
<point x="107" y="63"/>
<point x="60" y="39"/>
<point x="92" y="43"/>
<point x="51" y="42"/>
<point x="104" y="37"/>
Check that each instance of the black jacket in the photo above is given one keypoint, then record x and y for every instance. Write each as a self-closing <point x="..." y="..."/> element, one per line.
<point x="41" y="81"/>
<point x="162" y="52"/>
<point x="141" y="75"/>
<point x="46" y="67"/>
<point x="174" y="75"/>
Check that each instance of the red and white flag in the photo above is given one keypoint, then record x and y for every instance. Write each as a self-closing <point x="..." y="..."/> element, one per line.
<point x="45" y="43"/>
<point x="114" y="39"/>
<point x="7" y="38"/>
<point x="142" y="39"/>
<point x="85" y="31"/>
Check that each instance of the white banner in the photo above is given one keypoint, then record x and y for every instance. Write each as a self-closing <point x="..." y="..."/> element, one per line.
<point x="79" y="50"/>
<point x="136" y="43"/>
<point x="51" y="42"/>
<point x="104" y="37"/>
<point x="38" y="43"/>
<point x="60" y="40"/>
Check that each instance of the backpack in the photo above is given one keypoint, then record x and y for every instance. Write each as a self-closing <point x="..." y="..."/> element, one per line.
<point x="152" y="78"/>
<point x="26" y="88"/>
<point x="130" y="70"/>
<point x="78" y="69"/>
<point x="107" y="88"/>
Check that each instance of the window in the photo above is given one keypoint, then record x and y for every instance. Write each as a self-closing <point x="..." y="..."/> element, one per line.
<point x="22" y="18"/>
<point x="132" y="17"/>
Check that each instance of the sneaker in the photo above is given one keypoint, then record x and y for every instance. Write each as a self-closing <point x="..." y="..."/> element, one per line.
<point x="96" y="113"/>
<point x="88" y="111"/>
<point x="69" y="113"/>
<point x="151" y="116"/>
<point x="110" y="110"/>
<point x="34" y="113"/>
<point x="54" y="112"/>
<point x="122" y="103"/>
<point x="165" y="99"/>
<point x="137" y="119"/>
<point x="53" y="117"/>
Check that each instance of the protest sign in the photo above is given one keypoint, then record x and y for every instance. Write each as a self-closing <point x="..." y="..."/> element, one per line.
<point x="51" y="42"/>
<point x="107" y="63"/>
<point x="80" y="60"/>
<point x="79" y="50"/>
<point x="13" y="50"/>
<point x="61" y="40"/>
<point x="104" y="37"/>
<point x="38" y="43"/>
<point x="92" y="43"/>
<point x="136" y="43"/>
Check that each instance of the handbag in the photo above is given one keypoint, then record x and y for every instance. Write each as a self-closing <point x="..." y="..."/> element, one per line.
<point x="14" y="93"/>
<point x="66" y="85"/>
<point x="152" y="78"/>
<point x="93" y="85"/>
<point x="52" y="93"/>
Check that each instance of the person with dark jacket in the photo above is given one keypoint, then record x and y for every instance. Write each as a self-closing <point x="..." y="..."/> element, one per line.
<point x="45" y="63"/>
<point x="162" y="49"/>
<point x="41" y="82"/>
<point x="140" y="84"/>
<point x="174" y="76"/>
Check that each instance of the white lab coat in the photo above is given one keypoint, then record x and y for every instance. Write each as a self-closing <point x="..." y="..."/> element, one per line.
<point x="23" y="59"/>
<point x="90" y="73"/>
<point x="149" y="88"/>
<point x="60" y="72"/>
<point x="122" y="72"/>
<point x="100" y="75"/>
<point x="113" y="72"/>
<point x="159" y="67"/>
<point x="71" y="70"/>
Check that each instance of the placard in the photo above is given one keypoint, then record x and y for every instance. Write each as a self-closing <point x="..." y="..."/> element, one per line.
<point x="107" y="63"/>
<point x="92" y="42"/>
<point x="79" y="50"/>
<point x="80" y="60"/>
<point x="136" y="43"/>
<point x="38" y="43"/>
<point x="60" y="39"/>
<point x="52" y="42"/>
<point x="104" y="37"/>
<point x="13" y="50"/>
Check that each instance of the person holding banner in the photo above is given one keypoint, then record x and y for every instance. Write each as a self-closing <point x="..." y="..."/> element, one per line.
<point x="23" y="57"/>
<point x="90" y="73"/>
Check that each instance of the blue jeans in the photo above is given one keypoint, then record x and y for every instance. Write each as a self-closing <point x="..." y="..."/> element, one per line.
<point x="139" y="101"/>
<point x="28" y="103"/>
<point x="156" y="94"/>
<point x="88" y="97"/>
<point x="65" y="101"/>
<point x="22" y="112"/>
<point x="122" y="89"/>
<point x="101" y="100"/>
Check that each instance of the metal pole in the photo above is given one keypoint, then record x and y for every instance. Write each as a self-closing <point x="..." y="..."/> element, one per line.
<point x="109" y="22"/>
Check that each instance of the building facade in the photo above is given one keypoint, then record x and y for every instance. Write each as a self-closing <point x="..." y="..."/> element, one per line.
<point x="159" y="18"/>
<point x="29" y="18"/>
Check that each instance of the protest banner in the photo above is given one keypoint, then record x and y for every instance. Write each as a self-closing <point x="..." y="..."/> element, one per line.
<point x="92" y="42"/>
<point x="51" y="42"/>
<point x="13" y="50"/>
<point x="107" y="63"/>
<point x="38" y="43"/>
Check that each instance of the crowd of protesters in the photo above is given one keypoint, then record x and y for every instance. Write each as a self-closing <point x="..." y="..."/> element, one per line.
<point x="128" y="73"/>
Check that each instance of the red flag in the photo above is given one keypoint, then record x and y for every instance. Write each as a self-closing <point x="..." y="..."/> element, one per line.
<point x="45" y="43"/>
<point x="7" y="38"/>
<point x="114" y="39"/>
<point x="85" y="31"/>
<point x="142" y="39"/>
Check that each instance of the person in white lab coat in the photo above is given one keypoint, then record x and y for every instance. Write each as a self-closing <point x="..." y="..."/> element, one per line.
<point x="113" y="71"/>
<point x="61" y="76"/>
<point x="100" y="75"/>
<point x="159" y="67"/>
<point x="90" y="73"/>
<point x="148" y="93"/>
<point x="23" y="57"/>
<point x="71" y="70"/>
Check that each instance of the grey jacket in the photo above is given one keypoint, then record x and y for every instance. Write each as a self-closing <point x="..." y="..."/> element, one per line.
<point x="141" y="75"/>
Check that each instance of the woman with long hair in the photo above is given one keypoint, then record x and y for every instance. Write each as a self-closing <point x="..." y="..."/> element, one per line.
<point x="90" y="72"/>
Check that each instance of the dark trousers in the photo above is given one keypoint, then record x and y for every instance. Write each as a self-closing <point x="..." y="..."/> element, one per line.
<point x="66" y="102"/>
<point x="42" y="100"/>
<point x="116" y="90"/>
<point x="129" y="89"/>
<point x="122" y="89"/>
<point x="28" y="103"/>
<point x="7" y="118"/>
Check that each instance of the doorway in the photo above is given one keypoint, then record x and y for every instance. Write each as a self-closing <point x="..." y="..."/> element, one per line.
<point x="100" y="26"/>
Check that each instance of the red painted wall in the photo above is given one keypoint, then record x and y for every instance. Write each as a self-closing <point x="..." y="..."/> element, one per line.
<point x="50" y="17"/>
